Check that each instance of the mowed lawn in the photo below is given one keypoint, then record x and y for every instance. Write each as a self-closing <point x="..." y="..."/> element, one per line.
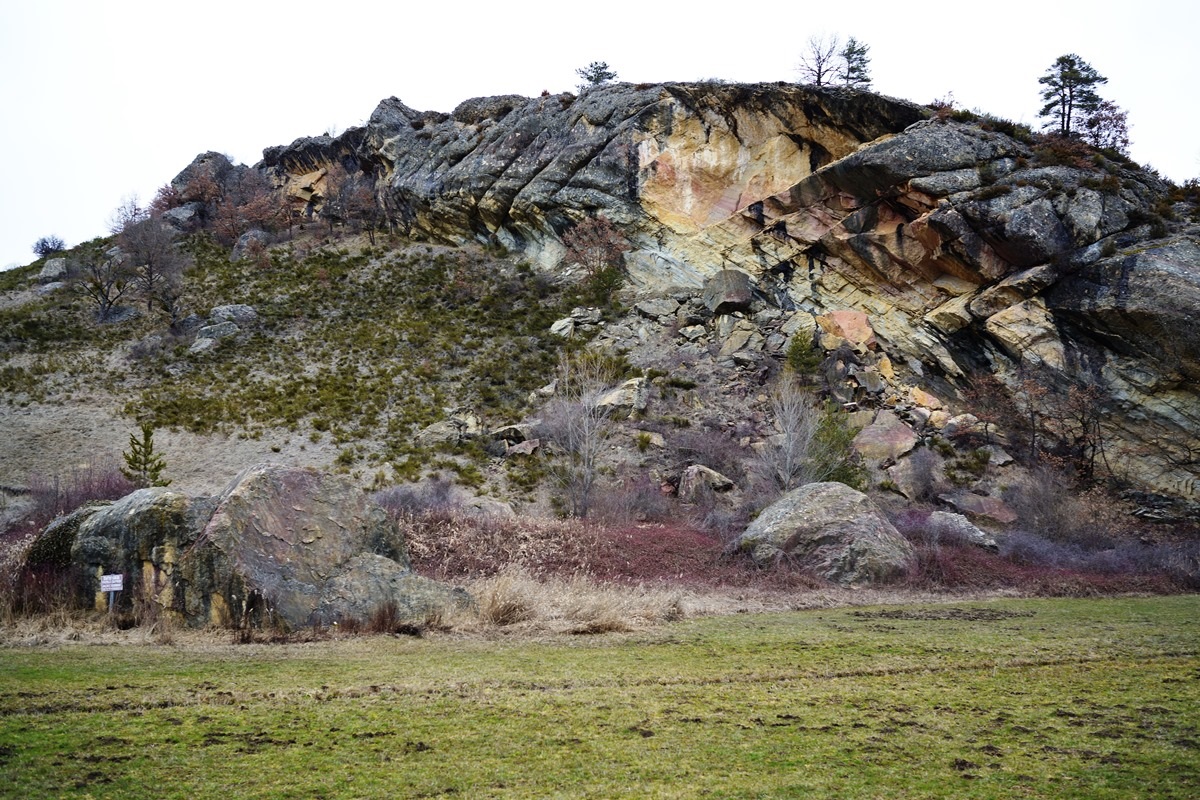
<point x="1015" y="698"/>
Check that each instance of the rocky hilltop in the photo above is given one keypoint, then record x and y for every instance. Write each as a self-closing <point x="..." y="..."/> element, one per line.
<point x="988" y="264"/>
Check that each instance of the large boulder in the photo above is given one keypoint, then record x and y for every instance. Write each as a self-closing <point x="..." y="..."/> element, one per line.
<point x="728" y="291"/>
<point x="290" y="544"/>
<point x="831" y="530"/>
<point x="145" y="536"/>
<point x="290" y="533"/>
<point x="885" y="440"/>
<point x="55" y="271"/>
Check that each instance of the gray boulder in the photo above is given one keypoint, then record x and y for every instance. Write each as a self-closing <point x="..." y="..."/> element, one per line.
<point x="728" y="291"/>
<point x="238" y="313"/>
<point x="631" y="396"/>
<point x="697" y="480"/>
<point x="55" y="271"/>
<point x="947" y="526"/>
<point x="247" y="241"/>
<point x="221" y="330"/>
<point x="289" y="532"/>
<point x="831" y="530"/>
<point x="184" y="218"/>
<point x="657" y="308"/>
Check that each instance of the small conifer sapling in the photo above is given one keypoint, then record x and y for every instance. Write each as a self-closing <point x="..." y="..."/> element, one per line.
<point x="142" y="465"/>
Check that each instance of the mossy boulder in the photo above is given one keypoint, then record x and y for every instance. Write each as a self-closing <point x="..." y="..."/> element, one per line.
<point x="293" y="545"/>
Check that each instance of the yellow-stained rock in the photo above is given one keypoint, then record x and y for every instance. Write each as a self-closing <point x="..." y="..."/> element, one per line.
<point x="1027" y="333"/>
<point x="923" y="398"/>
<point x="851" y="326"/>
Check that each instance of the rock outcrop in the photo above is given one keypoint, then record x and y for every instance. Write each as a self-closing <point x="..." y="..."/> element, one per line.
<point x="289" y="545"/>
<point x="831" y="530"/>
<point x="960" y="249"/>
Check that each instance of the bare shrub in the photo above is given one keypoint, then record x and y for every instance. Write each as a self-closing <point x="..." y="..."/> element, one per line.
<point x="923" y="463"/>
<point x="712" y="448"/>
<point x="454" y="546"/>
<point x="811" y="444"/>
<point x="54" y="495"/>
<point x="635" y="499"/>
<point x="387" y="619"/>
<point x="578" y="425"/>
<point x="434" y="495"/>
<point x="1049" y="506"/>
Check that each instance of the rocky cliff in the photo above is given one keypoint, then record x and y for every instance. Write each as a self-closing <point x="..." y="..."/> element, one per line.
<point x="970" y="251"/>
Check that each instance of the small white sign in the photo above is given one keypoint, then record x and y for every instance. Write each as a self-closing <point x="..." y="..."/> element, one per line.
<point x="112" y="583"/>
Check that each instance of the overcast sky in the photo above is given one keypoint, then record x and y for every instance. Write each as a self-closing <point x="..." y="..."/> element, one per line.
<point x="103" y="99"/>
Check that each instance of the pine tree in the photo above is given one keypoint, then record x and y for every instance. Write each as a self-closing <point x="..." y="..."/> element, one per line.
<point x="855" y="71"/>
<point x="595" y="74"/>
<point x="1070" y="93"/>
<point x="142" y="465"/>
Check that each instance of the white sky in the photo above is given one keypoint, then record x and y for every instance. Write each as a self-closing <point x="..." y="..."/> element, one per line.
<point x="102" y="99"/>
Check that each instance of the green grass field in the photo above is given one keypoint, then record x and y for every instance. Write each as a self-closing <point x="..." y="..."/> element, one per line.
<point x="1014" y="698"/>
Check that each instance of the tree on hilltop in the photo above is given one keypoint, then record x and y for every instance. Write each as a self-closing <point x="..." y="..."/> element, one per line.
<point x="855" y="70"/>
<point x="48" y="246"/>
<point x="595" y="73"/>
<point x="820" y="60"/>
<point x="1070" y="93"/>
<point x="1108" y="128"/>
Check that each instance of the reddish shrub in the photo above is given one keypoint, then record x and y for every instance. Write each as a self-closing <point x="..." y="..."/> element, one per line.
<point x="61" y="494"/>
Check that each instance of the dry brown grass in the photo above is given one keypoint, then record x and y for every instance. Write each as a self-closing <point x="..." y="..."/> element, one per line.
<point x="515" y="598"/>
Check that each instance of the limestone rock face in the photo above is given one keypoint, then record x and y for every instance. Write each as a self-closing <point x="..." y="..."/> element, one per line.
<point x="831" y="529"/>
<point x="1140" y="311"/>
<point x="670" y="159"/>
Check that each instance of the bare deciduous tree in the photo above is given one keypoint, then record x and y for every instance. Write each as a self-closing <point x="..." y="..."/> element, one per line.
<point x="126" y="214"/>
<point x="350" y="200"/>
<point x="1108" y="127"/>
<point x="579" y="425"/>
<point x="810" y="443"/>
<point x="155" y="261"/>
<point x="102" y="278"/>
<point x="596" y="245"/>
<point x="820" y="60"/>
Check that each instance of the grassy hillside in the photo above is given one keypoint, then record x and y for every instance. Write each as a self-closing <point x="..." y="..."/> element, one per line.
<point x="1034" y="698"/>
<point x="356" y="348"/>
